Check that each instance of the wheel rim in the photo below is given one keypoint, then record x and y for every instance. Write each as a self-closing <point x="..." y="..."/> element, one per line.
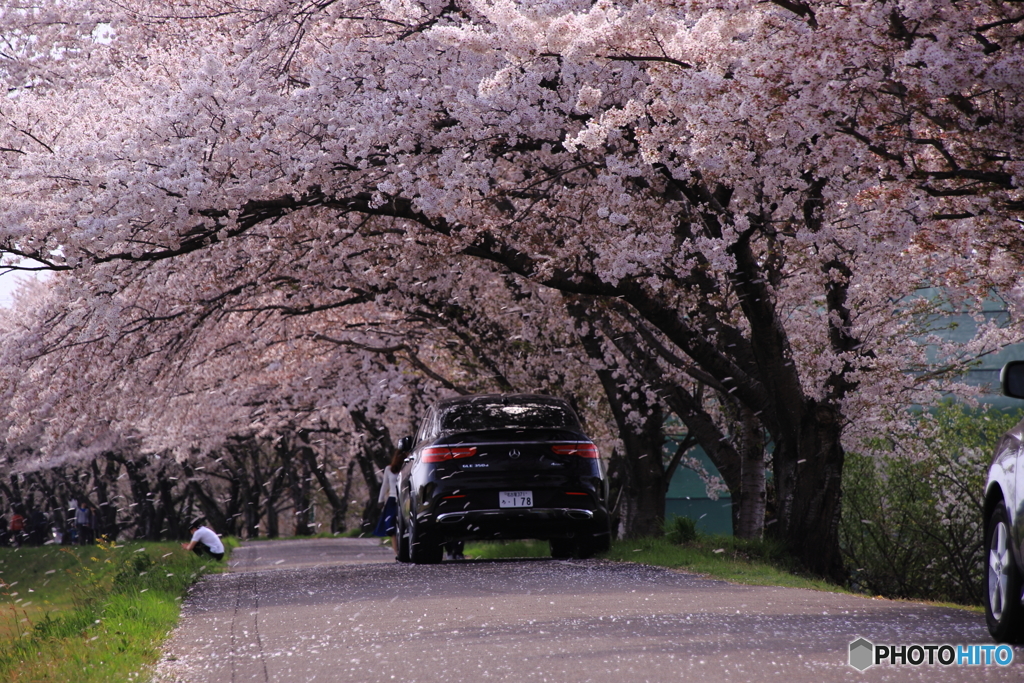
<point x="998" y="570"/>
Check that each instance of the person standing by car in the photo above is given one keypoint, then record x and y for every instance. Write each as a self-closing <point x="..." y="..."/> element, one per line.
<point x="389" y="497"/>
<point x="204" y="541"/>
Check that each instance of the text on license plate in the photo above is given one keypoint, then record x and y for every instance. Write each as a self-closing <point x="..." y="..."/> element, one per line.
<point x="515" y="499"/>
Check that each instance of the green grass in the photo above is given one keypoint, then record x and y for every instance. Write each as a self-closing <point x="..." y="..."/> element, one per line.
<point x="96" y="613"/>
<point x="759" y="563"/>
<point x="37" y="581"/>
<point x="500" y="550"/>
<point x="756" y="563"/>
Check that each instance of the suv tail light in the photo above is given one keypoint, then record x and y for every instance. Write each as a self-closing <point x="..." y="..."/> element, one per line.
<point x="442" y="453"/>
<point x="583" y="449"/>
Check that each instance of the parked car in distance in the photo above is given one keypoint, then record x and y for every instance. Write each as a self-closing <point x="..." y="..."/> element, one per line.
<point x="496" y="466"/>
<point x="1004" y="524"/>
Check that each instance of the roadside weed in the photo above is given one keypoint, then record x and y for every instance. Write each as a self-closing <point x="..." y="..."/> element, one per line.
<point x="115" y="606"/>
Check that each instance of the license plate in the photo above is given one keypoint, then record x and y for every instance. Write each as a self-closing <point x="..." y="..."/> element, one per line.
<point x="515" y="499"/>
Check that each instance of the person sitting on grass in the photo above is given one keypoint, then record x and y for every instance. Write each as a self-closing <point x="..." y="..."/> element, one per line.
<point x="204" y="541"/>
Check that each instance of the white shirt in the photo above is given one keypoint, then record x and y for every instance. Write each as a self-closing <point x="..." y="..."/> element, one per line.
<point x="388" y="487"/>
<point x="206" y="536"/>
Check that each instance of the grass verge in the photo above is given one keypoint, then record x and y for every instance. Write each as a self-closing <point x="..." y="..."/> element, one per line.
<point x="752" y="562"/>
<point x="760" y="563"/>
<point x="94" y="614"/>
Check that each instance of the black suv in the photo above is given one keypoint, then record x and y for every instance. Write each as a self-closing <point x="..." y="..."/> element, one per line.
<point x="502" y="467"/>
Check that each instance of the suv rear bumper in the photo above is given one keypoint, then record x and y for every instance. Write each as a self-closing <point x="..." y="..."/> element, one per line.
<point x="516" y="523"/>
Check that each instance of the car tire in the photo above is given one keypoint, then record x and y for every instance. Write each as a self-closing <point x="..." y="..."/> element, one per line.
<point x="587" y="548"/>
<point x="562" y="548"/>
<point x="423" y="548"/>
<point x="1003" y="610"/>
<point x="403" y="542"/>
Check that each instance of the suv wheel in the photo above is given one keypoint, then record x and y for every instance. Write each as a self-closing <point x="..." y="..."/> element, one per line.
<point x="423" y="549"/>
<point x="403" y="541"/>
<point x="593" y="545"/>
<point x="1003" y="610"/>
<point x="562" y="548"/>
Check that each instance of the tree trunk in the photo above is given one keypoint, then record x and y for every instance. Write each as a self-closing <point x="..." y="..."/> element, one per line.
<point x="301" y="500"/>
<point x="233" y="507"/>
<point x="339" y="505"/>
<point x="740" y="459"/>
<point x="297" y="484"/>
<point x="374" y="455"/>
<point x="105" y="518"/>
<point x="346" y="496"/>
<point x="271" y="516"/>
<point x="748" y="501"/>
<point x="143" y="512"/>
<point x="808" y="469"/>
<point x="641" y="471"/>
<point x="270" y="511"/>
<point x="372" y="510"/>
<point x="642" y="507"/>
<point x="215" y="517"/>
<point x="252" y="491"/>
<point x="171" y="526"/>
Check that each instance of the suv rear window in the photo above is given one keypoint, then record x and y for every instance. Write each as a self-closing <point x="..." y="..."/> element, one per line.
<point x="469" y="417"/>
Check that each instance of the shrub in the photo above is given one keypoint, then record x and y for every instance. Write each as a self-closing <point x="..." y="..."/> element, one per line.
<point x="681" y="530"/>
<point x="911" y="526"/>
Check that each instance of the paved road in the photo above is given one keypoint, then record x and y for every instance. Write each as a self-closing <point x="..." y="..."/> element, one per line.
<point x="343" y="610"/>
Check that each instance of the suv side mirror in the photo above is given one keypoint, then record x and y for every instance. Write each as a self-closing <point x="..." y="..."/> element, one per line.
<point x="405" y="443"/>
<point x="1012" y="379"/>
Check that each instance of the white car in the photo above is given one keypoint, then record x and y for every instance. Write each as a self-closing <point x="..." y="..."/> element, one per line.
<point x="1004" y="524"/>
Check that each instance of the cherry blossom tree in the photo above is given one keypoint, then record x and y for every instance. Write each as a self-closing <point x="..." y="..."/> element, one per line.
<point x="765" y="186"/>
